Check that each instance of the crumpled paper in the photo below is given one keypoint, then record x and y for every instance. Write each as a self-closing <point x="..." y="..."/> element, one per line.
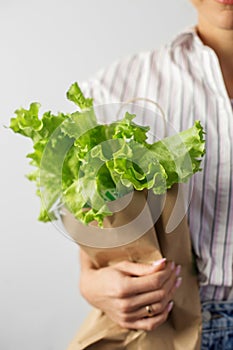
<point x="145" y="230"/>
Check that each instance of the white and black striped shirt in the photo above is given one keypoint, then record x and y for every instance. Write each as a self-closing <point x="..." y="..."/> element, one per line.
<point x="185" y="78"/>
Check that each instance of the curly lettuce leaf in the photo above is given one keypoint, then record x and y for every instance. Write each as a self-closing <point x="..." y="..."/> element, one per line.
<point x="117" y="166"/>
<point x="181" y="154"/>
<point x="75" y="95"/>
<point x="83" y="165"/>
<point x="127" y="129"/>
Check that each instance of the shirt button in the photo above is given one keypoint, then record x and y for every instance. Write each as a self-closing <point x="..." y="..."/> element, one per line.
<point x="206" y="316"/>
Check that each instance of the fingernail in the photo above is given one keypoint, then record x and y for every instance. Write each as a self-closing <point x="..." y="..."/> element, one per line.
<point x="178" y="282"/>
<point x="170" y="306"/>
<point x="178" y="270"/>
<point x="158" y="262"/>
<point x="172" y="265"/>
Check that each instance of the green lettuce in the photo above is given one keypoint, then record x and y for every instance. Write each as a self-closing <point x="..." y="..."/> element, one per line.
<point x="82" y="165"/>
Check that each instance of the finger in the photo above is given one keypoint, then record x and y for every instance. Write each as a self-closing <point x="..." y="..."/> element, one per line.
<point x="156" y="309"/>
<point x="150" y="282"/>
<point x="150" y="323"/>
<point x="177" y="285"/>
<point x="173" y="283"/>
<point x="135" y="306"/>
<point x="137" y="269"/>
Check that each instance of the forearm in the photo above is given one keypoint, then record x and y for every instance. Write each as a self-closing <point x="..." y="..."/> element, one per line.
<point x="86" y="270"/>
<point x="85" y="261"/>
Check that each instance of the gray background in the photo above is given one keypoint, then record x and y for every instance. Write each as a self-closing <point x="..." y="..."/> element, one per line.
<point x="44" y="47"/>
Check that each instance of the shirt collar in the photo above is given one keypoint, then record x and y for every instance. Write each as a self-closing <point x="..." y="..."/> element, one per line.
<point x="187" y="36"/>
<point x="190" y="39"/>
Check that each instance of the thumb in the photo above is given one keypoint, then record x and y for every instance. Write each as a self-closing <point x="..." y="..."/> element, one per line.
<point x="139" y="269"/>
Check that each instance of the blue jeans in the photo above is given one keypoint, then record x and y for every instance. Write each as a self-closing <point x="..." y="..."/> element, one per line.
<point x="217" y="333"/>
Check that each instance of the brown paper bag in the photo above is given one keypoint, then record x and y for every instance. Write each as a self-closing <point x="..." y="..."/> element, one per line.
<point x="138" y="239"/>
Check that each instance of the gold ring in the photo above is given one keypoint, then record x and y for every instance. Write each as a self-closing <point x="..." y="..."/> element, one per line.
<point x="149" y="310"/>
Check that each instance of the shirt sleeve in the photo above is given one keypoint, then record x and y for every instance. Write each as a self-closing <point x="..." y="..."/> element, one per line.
<point x="118" y="82"/>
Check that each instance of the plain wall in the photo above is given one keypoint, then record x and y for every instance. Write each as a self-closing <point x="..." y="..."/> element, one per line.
<point x="45" y="46"/>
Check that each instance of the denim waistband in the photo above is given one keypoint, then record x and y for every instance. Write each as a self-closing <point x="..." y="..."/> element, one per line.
<point x="217" y="315"/>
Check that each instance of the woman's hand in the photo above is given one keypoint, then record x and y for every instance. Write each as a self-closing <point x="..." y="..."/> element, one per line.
<point x="124" y="290"/>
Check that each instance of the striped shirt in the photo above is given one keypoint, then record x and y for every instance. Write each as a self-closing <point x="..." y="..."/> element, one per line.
<point x="185" y="78"/>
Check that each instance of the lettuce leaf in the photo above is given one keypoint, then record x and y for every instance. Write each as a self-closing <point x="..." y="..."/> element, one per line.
<point x="83" y="165"/>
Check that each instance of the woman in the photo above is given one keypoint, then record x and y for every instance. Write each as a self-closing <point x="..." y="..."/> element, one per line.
<point x="191" y="78"/>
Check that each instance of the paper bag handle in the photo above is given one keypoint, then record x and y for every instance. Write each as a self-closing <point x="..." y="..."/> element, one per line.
<point x="134" y="99"/>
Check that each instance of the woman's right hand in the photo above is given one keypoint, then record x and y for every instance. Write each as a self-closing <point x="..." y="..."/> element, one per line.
<point x="124" y="290"/>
